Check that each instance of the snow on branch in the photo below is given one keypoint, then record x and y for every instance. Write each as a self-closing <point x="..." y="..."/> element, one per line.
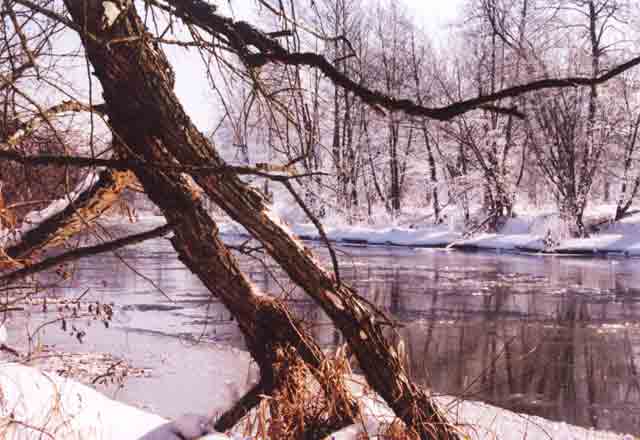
<point x="24" y="129"/>
<point x="76" y="254"/>
<point x="244" y="39"/>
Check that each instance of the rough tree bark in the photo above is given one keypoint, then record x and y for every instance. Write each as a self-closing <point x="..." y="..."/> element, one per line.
<point x="265" y="323"/>
<point x="102" y="195"/>
<point x="145" y="113"/>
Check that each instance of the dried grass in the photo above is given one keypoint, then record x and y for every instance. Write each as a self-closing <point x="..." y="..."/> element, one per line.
<point x="299" y="408"/>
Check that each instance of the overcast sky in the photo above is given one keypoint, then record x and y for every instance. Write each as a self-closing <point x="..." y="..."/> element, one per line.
<point x="192" y="88"/>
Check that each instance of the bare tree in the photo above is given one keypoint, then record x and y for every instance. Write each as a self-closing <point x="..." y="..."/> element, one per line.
<point x="628" y="137"/>
<point x="575" y="122"/>
<point x="155" y="139"/>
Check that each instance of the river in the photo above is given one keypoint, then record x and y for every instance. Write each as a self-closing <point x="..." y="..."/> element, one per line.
<point x="557" y="337"/>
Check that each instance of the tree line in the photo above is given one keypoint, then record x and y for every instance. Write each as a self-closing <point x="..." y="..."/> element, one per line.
<point x="564" y="147"/>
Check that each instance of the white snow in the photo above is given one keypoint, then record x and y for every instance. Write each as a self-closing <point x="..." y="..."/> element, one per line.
<point x="34" y="402"/>
<point x="504" y="241"/>
<point x="480" y="421"/>
<point x="401" y="236"/>
<point x="111" y="13"/>
<point x="36" y="405"/>
<point x="526" y="233"/>
<point x="518" y="235"/>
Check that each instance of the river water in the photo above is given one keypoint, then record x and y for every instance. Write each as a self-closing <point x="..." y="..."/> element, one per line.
<point x="552" y="336"/>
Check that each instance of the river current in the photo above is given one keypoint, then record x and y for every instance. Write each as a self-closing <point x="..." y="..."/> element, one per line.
<point x="557" y="337"/>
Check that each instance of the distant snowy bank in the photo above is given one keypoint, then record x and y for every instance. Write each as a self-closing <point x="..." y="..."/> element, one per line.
<point x="532" y="233"/>
<point x="37" y="405"/>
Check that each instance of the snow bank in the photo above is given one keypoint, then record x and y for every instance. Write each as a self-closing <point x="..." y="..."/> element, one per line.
<point x="507" y="242"/>
<point x="609" y="243"/>
<point x="434" y="236"/>
<point x="479" y="421"/>
<point x="523" y="234"/>
<point x="485" y="421"/>
<point x="37" y="405"/>
<point x="621" y="238"/>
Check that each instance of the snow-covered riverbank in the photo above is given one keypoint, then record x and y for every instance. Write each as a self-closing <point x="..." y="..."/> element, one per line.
<point x="540" y="232"/>
<point x="533" y="231"/>
<point x="38" y="405"/>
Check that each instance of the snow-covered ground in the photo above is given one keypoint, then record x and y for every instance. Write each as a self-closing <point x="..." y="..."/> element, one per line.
<point x="529" y="232"/>
<point x="526" y="233"/>
<point x="34" y="403"/>
<point x="37" y="405"/>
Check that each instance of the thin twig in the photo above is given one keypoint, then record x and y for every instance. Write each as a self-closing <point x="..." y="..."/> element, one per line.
<point x="83" y="252"/>
<point x="319" y="227"/>
<point x="132" y="164"/>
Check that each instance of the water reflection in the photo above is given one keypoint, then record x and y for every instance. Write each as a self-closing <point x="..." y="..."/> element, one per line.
<point x="557" y="337"/>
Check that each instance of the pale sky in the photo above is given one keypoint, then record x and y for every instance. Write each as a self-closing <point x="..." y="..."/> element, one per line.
<point x="191" y="85"/>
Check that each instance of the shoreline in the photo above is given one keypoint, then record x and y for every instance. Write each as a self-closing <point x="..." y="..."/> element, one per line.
<point x="527" y="235"/>
<point x="468" y="245"/>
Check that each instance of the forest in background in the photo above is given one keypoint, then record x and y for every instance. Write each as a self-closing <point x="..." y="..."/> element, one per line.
<point x="576" y="146"/>
<point x="347" y="108"/>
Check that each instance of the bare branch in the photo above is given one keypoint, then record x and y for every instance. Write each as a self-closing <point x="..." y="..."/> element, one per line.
<point x="243" y="38"/>
<point x="132" y="164"/>
<point x="26" y="128"/>
<point x="81" y="212"/>
<point x="82" y="252"/>
<point x="319" y="227"/>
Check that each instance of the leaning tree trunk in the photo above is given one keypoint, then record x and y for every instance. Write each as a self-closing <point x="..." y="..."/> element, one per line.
<point x="265" y="322"/>
<point x="266" y="318"/>
<point x="138" y="89"/>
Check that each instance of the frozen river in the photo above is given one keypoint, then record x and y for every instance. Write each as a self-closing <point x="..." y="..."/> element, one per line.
<point x="556" y="337"/>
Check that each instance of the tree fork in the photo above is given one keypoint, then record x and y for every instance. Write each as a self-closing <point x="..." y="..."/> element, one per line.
<point x="138" y="88"/>
<point x="264" y="321"/>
